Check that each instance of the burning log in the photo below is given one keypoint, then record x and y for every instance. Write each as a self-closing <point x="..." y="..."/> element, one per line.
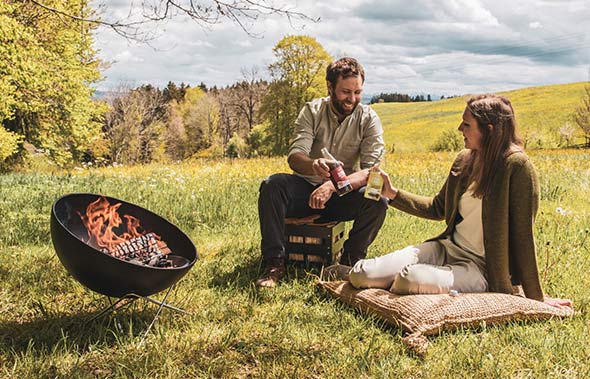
<point x="133" y="245"/>
<point x="145" y="249"/>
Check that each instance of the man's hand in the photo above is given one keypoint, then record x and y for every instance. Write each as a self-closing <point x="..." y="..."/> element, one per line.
<point x="320" y="168"/>
<point x="320" y="196"/>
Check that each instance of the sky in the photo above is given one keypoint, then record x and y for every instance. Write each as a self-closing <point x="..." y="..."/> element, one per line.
<point x="446" y="47"/>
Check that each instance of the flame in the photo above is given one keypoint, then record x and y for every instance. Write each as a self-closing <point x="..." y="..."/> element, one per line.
<point x="102" y="219"/>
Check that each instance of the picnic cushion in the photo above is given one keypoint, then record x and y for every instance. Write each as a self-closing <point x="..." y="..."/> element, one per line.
<point x="424" y="315"/>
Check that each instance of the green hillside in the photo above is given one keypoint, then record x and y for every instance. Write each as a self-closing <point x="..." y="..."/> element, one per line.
<point x="540" y="111"/>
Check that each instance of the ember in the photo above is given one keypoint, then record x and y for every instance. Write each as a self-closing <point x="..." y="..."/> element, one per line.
<point x="132" y="244"/>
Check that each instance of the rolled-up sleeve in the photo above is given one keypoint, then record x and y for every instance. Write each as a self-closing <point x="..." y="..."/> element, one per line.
<point x="303" y="135"/>
<point x="372" y="142"/>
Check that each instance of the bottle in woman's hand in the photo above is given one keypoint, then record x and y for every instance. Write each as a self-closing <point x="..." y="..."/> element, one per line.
<point x="375" y="181"/>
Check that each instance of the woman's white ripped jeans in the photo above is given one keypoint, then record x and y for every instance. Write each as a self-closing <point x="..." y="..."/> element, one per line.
<point x="429" y="268"/>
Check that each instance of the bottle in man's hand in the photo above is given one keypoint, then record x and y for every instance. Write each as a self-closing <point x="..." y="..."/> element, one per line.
<point x="337" y="174"/>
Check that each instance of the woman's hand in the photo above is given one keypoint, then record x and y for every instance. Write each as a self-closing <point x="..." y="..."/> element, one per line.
<point x="388" y="190"/>
<point x="558" y="303"/>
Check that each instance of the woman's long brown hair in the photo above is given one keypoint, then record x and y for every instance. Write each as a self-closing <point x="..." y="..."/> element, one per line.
<point x="496" y="142"/>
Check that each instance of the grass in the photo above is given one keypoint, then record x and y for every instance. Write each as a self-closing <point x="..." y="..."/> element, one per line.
<point x="237" y="331"/>
<point x="541" y="112"/>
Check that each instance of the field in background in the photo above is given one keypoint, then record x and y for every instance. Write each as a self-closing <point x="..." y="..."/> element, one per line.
<point x="540" y="112"/>
<point x="237" y="331"/>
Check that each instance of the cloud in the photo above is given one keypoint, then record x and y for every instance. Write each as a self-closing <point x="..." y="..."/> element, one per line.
<point x="438" y="47"/>
<point x="126" y="57"/>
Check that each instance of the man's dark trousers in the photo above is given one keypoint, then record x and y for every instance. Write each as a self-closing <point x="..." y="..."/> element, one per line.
<point x="287" y="195"/>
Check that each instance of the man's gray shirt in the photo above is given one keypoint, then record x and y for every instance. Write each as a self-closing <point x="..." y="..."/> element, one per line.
<point x="356" y="141"/>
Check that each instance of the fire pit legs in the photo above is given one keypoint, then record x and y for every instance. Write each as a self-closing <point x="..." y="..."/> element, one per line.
<point x="130" y="298"/>
<point x="156" y="316"/>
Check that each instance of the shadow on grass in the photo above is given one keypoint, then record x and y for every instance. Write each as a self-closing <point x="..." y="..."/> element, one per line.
<point x="75" y="331"/>
<point x="244" y="274"/>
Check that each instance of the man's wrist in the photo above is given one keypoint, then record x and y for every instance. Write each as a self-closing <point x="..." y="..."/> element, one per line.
<point x="330" y="185"/>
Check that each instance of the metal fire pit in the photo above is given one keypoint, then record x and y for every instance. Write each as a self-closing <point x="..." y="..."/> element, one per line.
<point x="109" y="275"/>
<point x="103" y="273"/>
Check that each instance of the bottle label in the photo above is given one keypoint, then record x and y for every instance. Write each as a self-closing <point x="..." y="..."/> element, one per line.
<point x="374" y="186"/>
<point x="340" y="177"/>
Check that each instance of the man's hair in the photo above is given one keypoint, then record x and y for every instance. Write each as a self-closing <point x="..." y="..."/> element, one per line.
<point x="345" y="68"/>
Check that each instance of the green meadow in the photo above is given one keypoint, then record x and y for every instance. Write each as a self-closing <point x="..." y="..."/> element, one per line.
<point x="294" y="330"/>
<point x="541" y="113"/>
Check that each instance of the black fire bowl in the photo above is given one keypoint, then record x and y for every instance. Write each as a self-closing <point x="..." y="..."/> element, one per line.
<point x="108" y="275"/>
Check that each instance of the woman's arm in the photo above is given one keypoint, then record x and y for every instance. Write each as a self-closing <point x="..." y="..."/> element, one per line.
<point x="433" y="208"/>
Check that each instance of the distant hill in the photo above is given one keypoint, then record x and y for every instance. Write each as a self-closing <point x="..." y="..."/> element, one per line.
<point x="540" y="112"/>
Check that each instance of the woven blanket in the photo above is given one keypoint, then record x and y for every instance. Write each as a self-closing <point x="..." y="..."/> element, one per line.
<point x="423" y="315"/>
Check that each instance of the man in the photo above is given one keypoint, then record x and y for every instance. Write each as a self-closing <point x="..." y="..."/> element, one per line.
<point x="352" y="132"/>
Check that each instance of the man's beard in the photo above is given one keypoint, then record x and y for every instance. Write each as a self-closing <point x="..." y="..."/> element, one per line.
<point x="338" y="105"/>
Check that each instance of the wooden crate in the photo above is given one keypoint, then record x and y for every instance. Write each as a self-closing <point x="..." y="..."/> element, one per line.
<point x="309" y="243"/>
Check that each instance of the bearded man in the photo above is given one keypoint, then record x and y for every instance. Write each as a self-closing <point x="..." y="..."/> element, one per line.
<point x="353" y="134"/>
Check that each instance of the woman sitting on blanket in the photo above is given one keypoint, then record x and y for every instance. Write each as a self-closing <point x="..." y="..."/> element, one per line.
<point x="489" y="202"/>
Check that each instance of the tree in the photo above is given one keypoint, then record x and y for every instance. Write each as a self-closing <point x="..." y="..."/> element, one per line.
<point x="134" y="125"/>
<point x="239" y="106"/>
<point x="173" y="92"/>
<point x="298" y="76"/>
<point x="47" y="68"/>
<point x="582" y="115"/>
<point x="248" y="95"/>
<point x="144" y="18"/>
<point x="193" y="124"/>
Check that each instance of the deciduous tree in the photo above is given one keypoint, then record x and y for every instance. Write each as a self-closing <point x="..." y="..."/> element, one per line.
<point x="47" y="68"/>
<point x="298" y="76"/>
<point x="193" y="124"/>
<point x="134" y="125"/>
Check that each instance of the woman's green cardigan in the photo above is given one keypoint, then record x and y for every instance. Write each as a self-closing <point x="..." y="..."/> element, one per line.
<point x="508" y="216"/>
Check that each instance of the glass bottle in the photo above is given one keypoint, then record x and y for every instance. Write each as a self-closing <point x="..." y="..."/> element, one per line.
<point x="337" y="174"/>
<point x="375" y="181"/>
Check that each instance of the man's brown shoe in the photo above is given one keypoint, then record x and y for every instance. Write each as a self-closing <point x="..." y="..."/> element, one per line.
<point x="272" y="275"/>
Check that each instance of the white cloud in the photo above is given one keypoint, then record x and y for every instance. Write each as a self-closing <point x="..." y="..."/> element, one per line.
<point x="126" y="57"/>
<point x="439" y="47"/>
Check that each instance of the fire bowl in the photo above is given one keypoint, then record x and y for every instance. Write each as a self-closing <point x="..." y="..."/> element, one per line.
<point x="106" y="274"/>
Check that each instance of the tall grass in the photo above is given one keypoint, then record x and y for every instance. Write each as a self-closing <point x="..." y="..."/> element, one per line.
<point x="237" y="331"/>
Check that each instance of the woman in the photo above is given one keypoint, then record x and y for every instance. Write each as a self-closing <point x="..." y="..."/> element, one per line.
<point x="489" y="202"/>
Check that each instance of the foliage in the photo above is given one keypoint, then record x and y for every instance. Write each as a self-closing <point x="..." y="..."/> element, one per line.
<point x="237" y="331"/>
<point x="540" y="112"/>
<point x="449" y="140"/>
<point x="258" y="140"/>
<point x="298" y="76"/>
<point x="200" y="114"/>
<point x="175" y="92"/>
<point x="9" y="143"/>
<point x="47" y="68"/>
<point x="239" y="106"/>
<point x="134" y="124"/>
<point x="582" y="115"/>
<point x="236" y="147"/>
<point x="397" y="98"/>
<point x="147" y="124"/>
